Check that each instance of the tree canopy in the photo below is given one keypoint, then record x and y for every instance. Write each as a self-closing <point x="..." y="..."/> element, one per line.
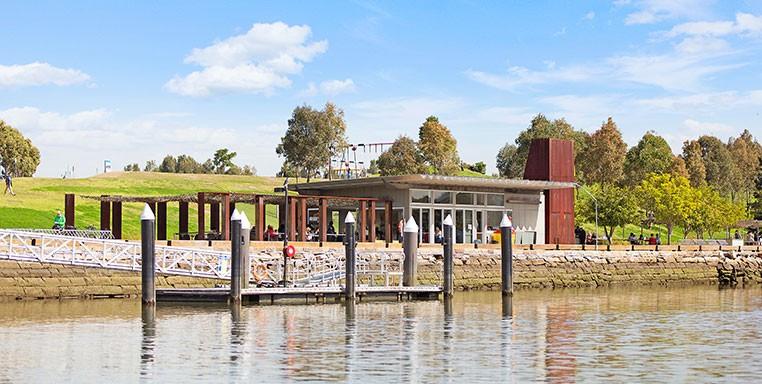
<point x="402" y="158"/>
<point x="438" y="148"/>
<point x="602" y="160"/>
<point x="18" y="155"/>
<point x="312" y="138"/>
<point x="617" y="207"/>
<point x="652" y="154"/>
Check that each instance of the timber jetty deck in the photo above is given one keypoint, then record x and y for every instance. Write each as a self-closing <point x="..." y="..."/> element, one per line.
<point x="305" y="295"/>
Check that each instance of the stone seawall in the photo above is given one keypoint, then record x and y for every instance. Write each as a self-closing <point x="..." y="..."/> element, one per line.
<point x="31" y="280"/>
<point x="474" y="269"/>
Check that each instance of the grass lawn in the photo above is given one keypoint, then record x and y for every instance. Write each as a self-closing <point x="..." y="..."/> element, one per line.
<point x="37" y="199"/>
<point x="620" y="235"/>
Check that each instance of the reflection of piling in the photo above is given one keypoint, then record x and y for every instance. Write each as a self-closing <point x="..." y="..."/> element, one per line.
<point x="410" y="248"/>
<point x="448" y="258"/>
<point x="349" y="265"/>
<point x="147" y="343"/>
<point x="235" y="257"/>
<point x="507" y="306"/>
<point x="506" y="259"/>
<point x="148" y="256"/>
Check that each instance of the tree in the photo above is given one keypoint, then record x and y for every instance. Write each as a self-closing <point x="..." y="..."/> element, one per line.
<point x="746" y="154"/>
<point x="151" y="166"/>
<point x="720" y="168"/>
<point x="134" y="167"/>
<point x="402" y="158"/>
<point x="187" y="164"/>
<point x="694" y="163"/>
<point x="602" y="161"/>
<point x="168" y="165"/>
<point x="249" y="170"/>
<point x="652" y="154"/>
<point x="373" y="168"/>
<point x="313" y="137"/>
<point x="18" y="156"/>
<point x="756" y="205"/>
<point x="509" y="163"/>
<point x="208" y="166"/>
<point x="678" y="167"/>
<point x="223" y="160"/>
<point x="438" y="148"/>
<point x="480" y="167"/>
<point x="616" y="207"/>
<point x="668" y="197"/>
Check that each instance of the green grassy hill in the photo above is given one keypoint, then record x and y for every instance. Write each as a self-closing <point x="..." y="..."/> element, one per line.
<point x="37" y="199"/>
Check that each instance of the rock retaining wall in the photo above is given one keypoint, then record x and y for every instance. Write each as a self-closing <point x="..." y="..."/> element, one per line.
<point x="474" y="269"/>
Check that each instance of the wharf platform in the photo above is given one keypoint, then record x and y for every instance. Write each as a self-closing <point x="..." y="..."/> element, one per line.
<point x="297" y="295"/>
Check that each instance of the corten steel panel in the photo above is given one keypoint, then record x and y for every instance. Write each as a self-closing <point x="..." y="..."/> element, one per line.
<point x="161" y="220"/>
<point x="362" y="222"/>
<point x="214" y="216"/>
<point x="260" y="218"/>
<point x="226" y="214"/>
<point x="201" y="216"/>
<point x="183" y="219"/>
<point x="105" y="215"/>
<point x="323" y="220"/>
<point x="388" y="221"/>
<point x="69" y="208"/>
<point x="303" y="219"/>
<point x="116" y="219"/>
<point x="553" y="160"/>
<point x="372" y="222"/>
<point x="291" y="230"/>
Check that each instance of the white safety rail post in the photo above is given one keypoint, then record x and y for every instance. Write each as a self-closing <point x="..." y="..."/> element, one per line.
<point x="148" y="256"/>
<point x="410" y="248"/>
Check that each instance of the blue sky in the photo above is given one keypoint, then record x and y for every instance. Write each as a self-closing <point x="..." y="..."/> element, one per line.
<point x="133" y="81"/>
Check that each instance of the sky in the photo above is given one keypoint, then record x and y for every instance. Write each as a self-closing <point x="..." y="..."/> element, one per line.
<point x="131" y="81"/>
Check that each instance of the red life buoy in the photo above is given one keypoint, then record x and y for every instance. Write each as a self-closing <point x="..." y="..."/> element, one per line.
<point x="290" y="251"/>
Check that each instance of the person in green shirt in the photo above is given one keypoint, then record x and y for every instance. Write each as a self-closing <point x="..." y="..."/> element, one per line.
<point x="59" y="222"/>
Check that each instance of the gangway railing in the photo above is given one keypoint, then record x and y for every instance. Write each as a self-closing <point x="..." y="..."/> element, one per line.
<point x="88" y="233"/>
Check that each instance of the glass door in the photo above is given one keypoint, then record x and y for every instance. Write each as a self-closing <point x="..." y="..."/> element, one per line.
<point x="459" y="227"/>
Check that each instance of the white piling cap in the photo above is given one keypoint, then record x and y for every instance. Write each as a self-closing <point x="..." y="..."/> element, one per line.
<point x="350" y="219"/>
<point x="410" y="226"/>
<point x="506" y="222"/>
<point x="236" y="215"/>
<point x="147" y="213"/>
<point x="245" y="223"/>
<point x="447" y="221"/>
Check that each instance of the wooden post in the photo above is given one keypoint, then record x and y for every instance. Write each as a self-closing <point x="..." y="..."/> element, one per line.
<point x="372" y="222"/>
<point x="303" y="219"/>
<point x="260" y="218"/>
<point x="323" y="219"/>
<point x="291" y="230"/>
<point x="388" y="234"/>
<point x="201" y="216"/>
<point x="214" y="217"/>
<point x="226" y="214"/>
<point x="116" y="219"/>
<point x="183" y="221"/>
<point x="105" y="214"/>
<point x="161" y="220"/>
<point x="69" y="208"/>
<point x="362" y="224"/>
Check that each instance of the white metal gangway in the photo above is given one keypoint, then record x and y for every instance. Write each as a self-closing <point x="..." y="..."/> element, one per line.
<point x="304" y="270"/>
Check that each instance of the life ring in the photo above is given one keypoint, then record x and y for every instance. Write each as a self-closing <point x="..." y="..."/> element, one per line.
<point x="290" y="251"/>
<point x="259" y="273"/>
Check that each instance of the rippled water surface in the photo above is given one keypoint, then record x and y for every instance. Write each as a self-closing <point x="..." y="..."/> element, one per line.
<point x="696" y="334"/>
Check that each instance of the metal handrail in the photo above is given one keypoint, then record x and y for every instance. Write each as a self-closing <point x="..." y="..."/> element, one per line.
<point x="88" y="233"/>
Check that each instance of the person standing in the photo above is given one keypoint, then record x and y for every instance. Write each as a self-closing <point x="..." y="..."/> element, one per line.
<point x="8" y="183"/>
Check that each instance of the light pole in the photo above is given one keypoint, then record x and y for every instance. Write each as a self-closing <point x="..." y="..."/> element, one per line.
<point x="595" y="201"/>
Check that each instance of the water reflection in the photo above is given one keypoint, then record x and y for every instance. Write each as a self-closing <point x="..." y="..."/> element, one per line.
<point x="631" y="335"/>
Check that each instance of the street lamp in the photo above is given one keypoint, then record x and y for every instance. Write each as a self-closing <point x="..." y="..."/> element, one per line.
<point x="580" y="186"/>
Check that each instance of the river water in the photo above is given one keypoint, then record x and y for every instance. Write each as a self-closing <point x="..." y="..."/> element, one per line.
<point x="692" y="334"/>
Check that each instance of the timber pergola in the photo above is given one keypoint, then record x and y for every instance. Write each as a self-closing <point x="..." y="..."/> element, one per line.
<point x="222" y="204"/>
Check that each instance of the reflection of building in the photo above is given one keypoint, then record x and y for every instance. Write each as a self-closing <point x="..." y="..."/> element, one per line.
<point x="542" y="209"/>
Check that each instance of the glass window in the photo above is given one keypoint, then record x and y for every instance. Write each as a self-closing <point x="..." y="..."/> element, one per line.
<point x="464" y="198"/>
<point x="442" y="197"/>
<point x="418" y="196"/>
<point x="495" y="200"/>
<point x="479" y="199"/>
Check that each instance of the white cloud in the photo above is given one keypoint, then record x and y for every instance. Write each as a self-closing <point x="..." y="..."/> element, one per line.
<point x="668" y="71"/>
<point x="652" y="11"/>
<point x="712" y="100"/>
<point x="589" y="16"/>
<point x="704" y="128"/>
<point x="330" y="88"/>
<point x="745" y="24"/>
<point x="522" y="76"/>
<point x="39" y="74"/>
<point x="258" y="61"/>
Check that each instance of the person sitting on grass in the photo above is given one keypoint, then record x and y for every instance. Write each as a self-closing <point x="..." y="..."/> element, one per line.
<point x="59" y="222"/>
